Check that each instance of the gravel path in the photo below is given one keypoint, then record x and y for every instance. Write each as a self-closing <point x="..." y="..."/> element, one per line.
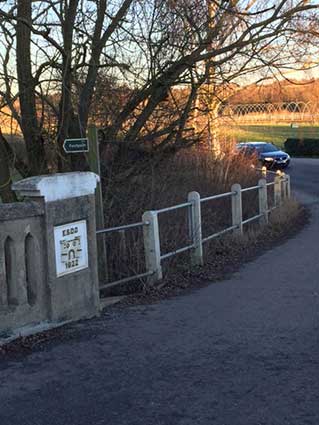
<point x="241" y="352"/>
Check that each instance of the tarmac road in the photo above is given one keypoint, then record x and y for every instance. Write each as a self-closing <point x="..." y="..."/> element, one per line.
<point x="241" y="352"/>
<point x="305" y="177"/>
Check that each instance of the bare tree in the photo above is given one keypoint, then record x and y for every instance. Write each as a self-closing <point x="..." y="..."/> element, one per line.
<point x="245" y="38"/>
<point x="156" y="57"/>
<point x="58" y="52"/>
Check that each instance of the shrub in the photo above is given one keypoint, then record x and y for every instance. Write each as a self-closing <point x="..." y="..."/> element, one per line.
<point x="302" y="147"/>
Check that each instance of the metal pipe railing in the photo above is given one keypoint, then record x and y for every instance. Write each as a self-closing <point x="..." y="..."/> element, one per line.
<point x="119" y="228"/>
<point x="150" y="224"/>
<point x="247" y="189"/>
<point x="249" y="220"/>
<point x="217" y="234"/>
<point x="174" y="207"/>
<point x="219" y="196"/>
<point x="125" y="280"/>
<point x="177" y="251"/>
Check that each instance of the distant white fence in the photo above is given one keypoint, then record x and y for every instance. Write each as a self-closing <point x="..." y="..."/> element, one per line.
<point x="256" y="113"/>
<point x="150" y="224"/>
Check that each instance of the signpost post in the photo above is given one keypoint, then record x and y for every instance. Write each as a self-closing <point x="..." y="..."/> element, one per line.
<point x="94" y="163"/>
<point x="90" y="145"/>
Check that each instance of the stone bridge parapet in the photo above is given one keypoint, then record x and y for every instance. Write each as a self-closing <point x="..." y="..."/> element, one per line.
<point x="48" y="258"/>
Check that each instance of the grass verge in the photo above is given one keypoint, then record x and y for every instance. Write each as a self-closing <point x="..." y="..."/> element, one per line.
<point x="269" y="133"/>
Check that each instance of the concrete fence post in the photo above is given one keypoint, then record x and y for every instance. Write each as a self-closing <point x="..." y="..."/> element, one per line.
<point x="152" y="246"/>
<point x="263" y="201"/>
<point x="277" y="190"/>
<point x="283" y="186"/>
<point x="264" y="171"/>
<point x="286" y="191"/>
<point x="288" y="186"/>
<point x="196" y="229"/>
<point x="237" y="209"/>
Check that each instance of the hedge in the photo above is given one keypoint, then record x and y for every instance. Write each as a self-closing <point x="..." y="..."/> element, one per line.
<point x="302" y="147"/>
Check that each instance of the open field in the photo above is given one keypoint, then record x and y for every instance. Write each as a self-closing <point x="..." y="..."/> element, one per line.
<point x="269" y="133"/>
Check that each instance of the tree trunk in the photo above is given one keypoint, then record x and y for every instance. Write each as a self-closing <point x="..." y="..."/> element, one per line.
<point x="67" y="125"/>
<point x="26" y="83"/>
<point x="6" y="194"/>
<point x="212" y="98"/>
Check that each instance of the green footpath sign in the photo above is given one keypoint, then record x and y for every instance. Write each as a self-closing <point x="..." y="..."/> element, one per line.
<point x="76" y="145"/>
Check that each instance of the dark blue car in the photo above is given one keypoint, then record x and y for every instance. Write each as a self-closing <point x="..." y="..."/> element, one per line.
<point x="267" y="153"/>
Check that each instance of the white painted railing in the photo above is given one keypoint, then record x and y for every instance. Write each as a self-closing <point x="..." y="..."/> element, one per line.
<point x="150" y="223"/>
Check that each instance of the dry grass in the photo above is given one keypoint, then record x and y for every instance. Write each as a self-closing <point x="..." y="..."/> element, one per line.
<point x="282" y="217"/>
<point x="282" y="222"/>
<point x="155" y="186"/>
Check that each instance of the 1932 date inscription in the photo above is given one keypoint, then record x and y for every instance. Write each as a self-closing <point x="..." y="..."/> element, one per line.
<point x="71" y="247"/>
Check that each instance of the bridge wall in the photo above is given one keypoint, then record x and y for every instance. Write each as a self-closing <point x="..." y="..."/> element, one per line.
<point x="48" y="258"/>
<point x="23" y="294"/>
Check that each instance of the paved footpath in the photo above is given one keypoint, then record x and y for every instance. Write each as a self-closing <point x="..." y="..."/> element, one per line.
<point x="241" y="352"/>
